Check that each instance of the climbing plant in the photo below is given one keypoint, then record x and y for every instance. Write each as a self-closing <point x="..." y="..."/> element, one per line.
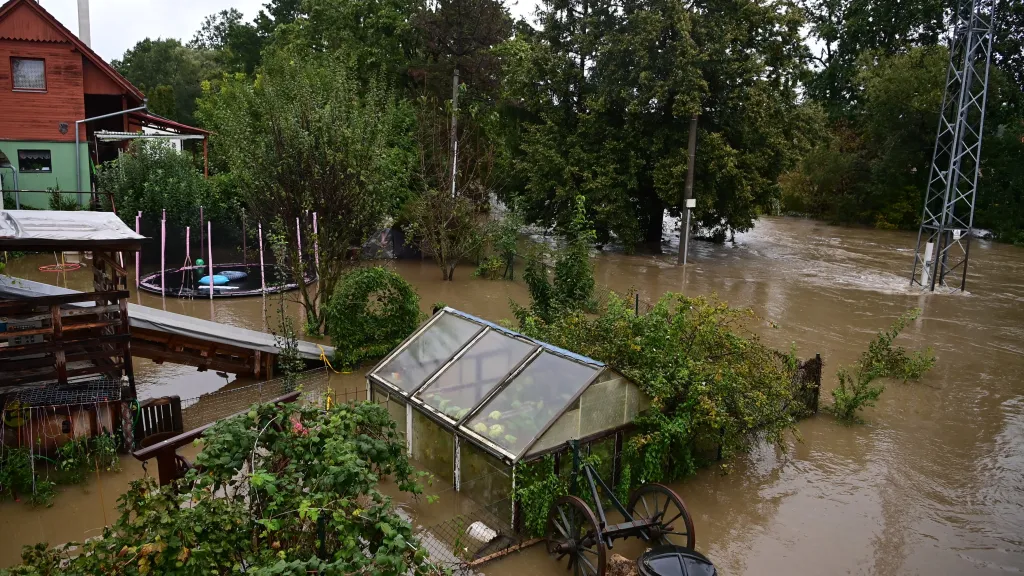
<point x="859" y="385"/>
<point x="283" y="490"/>
<point x="372" y="311"/>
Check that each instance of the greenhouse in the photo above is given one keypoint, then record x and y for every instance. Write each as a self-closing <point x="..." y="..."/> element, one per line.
<point x="473" y="398"/>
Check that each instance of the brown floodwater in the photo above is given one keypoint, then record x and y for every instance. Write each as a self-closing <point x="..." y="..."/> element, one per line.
<point x="932" y="483"/>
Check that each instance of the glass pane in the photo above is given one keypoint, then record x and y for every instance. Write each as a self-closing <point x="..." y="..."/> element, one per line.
<point x="603" y="405"/>
<point x="541" y="391"/>
<point x="428" y="351"/>
<point x="466" y="381"/>
<point x="567" y="427"/>
<point x="28" y="74"/>
<point x="433" y="447"/>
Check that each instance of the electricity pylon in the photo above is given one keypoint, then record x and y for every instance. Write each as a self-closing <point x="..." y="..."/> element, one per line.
<point x="944" y="239"/>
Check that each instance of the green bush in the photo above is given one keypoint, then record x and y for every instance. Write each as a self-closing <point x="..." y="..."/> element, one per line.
<point x="371" y="312"/>
<point x="858" y="387"/>
<point x="714" y="386"/>
<point x="283" y="490"/>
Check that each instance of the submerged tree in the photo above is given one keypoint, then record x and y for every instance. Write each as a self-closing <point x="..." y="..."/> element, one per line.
<point x="305" y="137"/>
<point x="456" y="178"/>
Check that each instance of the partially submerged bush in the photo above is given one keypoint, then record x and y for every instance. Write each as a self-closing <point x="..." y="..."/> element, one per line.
<point x="371" y="312"/>
<point x="713" y="385"/>
<point x="858" y="384"/>
<point x="283" y="490"/>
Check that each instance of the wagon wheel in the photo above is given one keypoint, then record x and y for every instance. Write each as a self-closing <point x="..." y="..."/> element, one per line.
<point x="573" y="531"/>
<point x="664" y="510"/>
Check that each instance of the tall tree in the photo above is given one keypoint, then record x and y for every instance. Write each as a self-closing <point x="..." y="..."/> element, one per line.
<point x="169" y="74"/>
<point x="307" y="136"/>
<point x="610" y="88"/>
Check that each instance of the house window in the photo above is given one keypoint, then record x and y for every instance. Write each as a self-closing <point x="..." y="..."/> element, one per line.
<point x="34" y="161"/>
<point x="29" y="73"/>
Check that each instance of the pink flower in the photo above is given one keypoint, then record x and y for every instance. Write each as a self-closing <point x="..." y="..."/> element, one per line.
<point x="298" y="428"/>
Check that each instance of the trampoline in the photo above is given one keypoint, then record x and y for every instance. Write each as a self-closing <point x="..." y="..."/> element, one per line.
<point x="244" y="280"/>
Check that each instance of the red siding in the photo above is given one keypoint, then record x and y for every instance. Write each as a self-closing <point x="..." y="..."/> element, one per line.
<point x="23" y="23"/>
<point x="37" y="116"/>
<point x="97" y="81"/>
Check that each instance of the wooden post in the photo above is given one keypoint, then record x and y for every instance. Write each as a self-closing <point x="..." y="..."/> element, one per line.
<point x="209" y="264"/>
<point x="163" y="250"/>
<point x="58" y="355"/>
<point x="263" y="278"/>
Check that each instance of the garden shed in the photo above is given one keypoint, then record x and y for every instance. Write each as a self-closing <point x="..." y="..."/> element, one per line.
<point x="474" y="399"/>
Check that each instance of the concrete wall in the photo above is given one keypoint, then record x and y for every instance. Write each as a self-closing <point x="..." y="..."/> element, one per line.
<point x="62" y="163"/>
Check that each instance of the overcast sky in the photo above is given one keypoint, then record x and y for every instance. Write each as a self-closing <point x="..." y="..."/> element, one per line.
<point x="117" y="25"/>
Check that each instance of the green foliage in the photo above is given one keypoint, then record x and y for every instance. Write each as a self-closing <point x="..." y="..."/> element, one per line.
<point x="309" y="134"/>
<point x="492" y="268"/>
<point x="572" y="287"/>
<point x="15" y="472"/>
<point x="152" y="177"/>
<point x="857" y="384"/>
<point x="289" y="362"/>
<point x="60" y="201"/>
<point x="605" y="92"/>
<point x="714" y="386"/>
<point x="169" y="74"/>
<point x="371" y="312"/>
<point x="283" y="490"/>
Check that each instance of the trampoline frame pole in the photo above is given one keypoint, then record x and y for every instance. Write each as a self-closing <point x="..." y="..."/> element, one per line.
<point x="163" y="249"/>
<point x="263" y="280"/>
<point x="188" y="242"/>
<point x="298" y="236"/>
<point x="209" y="246"/>
<point x="316" y="245"/>
<point x="138" y="252"/>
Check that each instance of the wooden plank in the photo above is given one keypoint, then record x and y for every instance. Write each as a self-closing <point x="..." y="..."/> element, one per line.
<point x="109" y="260"/>
<point x="504" y="552"/>
<point x="89" y="325"/>
<point x="64" y="313"/>
<point x="159" y="355"/>
<point x="44" y="347"/>
<point x="6" y="305"/>
<point x="58" y="356"/>
<point x="29" y="332"/>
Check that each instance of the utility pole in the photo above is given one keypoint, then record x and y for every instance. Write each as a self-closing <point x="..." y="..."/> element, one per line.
<point x="684" y="231"/>
<point x="455" y="126"/>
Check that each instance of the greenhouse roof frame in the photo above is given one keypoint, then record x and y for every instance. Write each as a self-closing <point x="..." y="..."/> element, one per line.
<point x="441" y="350"/>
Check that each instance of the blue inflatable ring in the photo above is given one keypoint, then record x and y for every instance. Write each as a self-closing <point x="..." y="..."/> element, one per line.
<point x="218" y="280"/>
<point x="233" y="275"/>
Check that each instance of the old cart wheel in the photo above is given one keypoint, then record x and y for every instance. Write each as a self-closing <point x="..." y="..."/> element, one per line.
<point x="573" y="531"/>
<point x="664" y="510"/>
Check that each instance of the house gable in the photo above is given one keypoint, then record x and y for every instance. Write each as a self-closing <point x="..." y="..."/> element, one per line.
<point x="34" y="24"/>
<point x="24" y="23"/>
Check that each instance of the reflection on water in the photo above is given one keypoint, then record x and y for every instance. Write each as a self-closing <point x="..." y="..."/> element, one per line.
<point x="933" y="483"/>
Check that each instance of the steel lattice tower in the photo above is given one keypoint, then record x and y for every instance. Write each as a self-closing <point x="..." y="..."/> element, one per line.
<point x="944" y="239"/>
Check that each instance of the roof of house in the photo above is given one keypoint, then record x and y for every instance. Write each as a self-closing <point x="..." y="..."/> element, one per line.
<point x="12" y="6"/>
<point x="54" y="229"/>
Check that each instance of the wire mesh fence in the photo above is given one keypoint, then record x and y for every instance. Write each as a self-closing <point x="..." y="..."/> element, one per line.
<point x="474" y="531"/>
<point x="314" y="384"/>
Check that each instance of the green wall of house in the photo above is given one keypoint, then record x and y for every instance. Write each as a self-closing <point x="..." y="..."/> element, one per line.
<point x="62" y="174"/>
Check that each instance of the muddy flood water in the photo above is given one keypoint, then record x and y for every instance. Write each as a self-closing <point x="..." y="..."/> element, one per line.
<point x="932" y="483"/>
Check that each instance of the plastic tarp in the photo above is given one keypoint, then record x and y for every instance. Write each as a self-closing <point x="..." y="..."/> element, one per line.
<point x="69" y="226"/>
<point x="146" y="318"/>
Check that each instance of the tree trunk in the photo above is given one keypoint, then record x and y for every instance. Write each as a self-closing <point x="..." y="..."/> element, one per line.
<point x="652" y="222"/>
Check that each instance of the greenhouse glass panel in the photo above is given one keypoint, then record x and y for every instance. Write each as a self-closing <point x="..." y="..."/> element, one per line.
<point x="518" y="413"/>
<point x="567" y="427"/>
<point x="426" y="352"/>
<point x="466" y="381"/>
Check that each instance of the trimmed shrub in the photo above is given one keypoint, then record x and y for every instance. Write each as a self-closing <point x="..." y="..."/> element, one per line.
<point x="371" y="312"/>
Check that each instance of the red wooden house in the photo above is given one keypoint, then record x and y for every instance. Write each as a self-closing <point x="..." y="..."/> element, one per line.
<point x="50" y="84"/>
